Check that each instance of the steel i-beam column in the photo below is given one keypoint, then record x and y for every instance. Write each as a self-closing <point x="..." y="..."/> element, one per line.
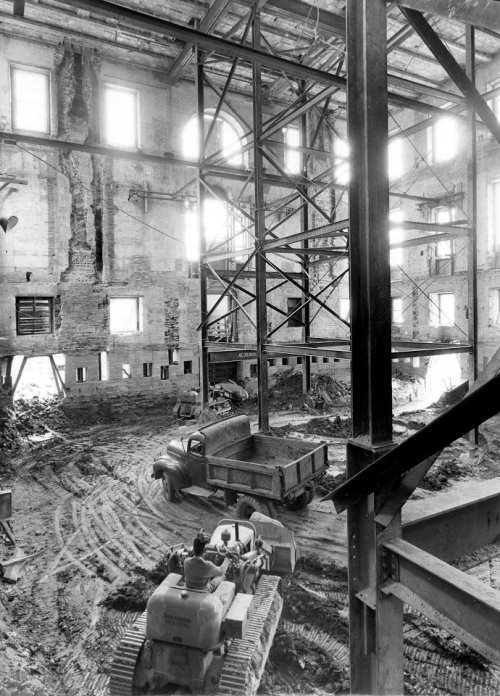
<point x="260" y="235"/>
<point x="306" y="361"/>
<point x="201" y="194"/>
<point x="376" y="625"/>
<point x="470" y="44"/>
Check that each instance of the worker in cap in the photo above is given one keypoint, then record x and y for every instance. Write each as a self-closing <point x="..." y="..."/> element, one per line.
<point x="200" y="574"/>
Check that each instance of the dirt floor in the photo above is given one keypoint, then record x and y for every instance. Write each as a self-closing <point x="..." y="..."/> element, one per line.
<point x="84" y="501"/>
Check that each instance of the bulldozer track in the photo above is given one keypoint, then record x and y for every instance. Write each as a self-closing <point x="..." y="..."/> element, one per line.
<point x="121" y="678"/>
<point x="236" y="671"/>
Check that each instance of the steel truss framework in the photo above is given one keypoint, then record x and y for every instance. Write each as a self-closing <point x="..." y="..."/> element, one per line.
<point x="385" y="569"/>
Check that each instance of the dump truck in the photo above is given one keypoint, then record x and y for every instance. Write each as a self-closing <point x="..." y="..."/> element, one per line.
<point x="210" y="642"/>
<point x="255" y="472"/>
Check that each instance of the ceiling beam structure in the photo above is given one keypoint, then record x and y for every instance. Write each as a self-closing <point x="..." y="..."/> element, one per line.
<point x="448" y="62"/>
<point x="484" y="14"/>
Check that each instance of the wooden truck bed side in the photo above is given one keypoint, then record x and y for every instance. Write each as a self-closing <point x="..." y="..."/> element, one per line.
<point x="270" y="474"/>
<point x="244" y="477"/>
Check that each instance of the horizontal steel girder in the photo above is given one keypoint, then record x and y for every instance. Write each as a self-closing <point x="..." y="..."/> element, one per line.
<point x="453" y="525"/>
<point x="345" y="352"/>
<point x="428" y="239"/>
<point x="475" y="408"/>
<point x="462" y="605"/>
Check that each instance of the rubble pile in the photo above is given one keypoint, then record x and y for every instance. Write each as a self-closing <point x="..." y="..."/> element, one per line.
<point x="26" y="420"/>
<point x="326" y="391"/>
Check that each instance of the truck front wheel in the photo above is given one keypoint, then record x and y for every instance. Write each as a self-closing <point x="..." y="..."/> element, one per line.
<point x="247" y="504"/>
<point x="168" y="488"/>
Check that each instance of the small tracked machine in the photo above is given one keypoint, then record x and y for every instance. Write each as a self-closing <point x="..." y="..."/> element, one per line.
<point x="210" y="642"/>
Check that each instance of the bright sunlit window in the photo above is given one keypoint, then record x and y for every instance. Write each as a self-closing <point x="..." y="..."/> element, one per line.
<point x="291" y="135"/>
<point x="120" y="116"/>
<point x="30" y="100"/>
<point x="442" y="216"/>
<point x="397" y="310"/>
<point x="341" y="160"/>
<point x="215" y="222"/>
<point x="494" y="215"/>
<point x="442" y="308"/>
<point x="396" y="158"/>
<point x="226" y="138"/>
<point x="395" y="236"/>
<point x="125" y="314"/>
<point x="443" y="139"/>
<point x="494" y="103"/>
<point x="494" y="298"/>
<point x="345" y="308"/>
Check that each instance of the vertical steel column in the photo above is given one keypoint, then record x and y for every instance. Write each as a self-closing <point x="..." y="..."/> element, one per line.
<point x="376" y="621"/>
<point x="304" y="222"/>
<point x="201" y="193"/>
<point x="260" y="234"/>
<point x="470" y="44"/>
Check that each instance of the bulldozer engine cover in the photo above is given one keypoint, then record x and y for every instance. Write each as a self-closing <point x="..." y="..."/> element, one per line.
<point x="187" y="617"/>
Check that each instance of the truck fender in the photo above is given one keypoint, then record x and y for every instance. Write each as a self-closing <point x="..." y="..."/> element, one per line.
<point x="175" y="469"/>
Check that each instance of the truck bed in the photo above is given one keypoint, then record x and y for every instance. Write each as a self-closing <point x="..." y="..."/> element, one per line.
<point x="266" y="466"/>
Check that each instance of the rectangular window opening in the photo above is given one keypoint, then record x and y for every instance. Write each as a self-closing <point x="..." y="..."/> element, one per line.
<point x="284" y="361"/>
<point x="103" y="366"/>
<point x="125" y="314"/>
<point x="293" y="163"/>
<point x="30" y="99"/>
<point x="397" y="310"/>
<point x="121" y="111"/>
<point x="188" y="367"/>
<point x="299" y="360"/>
<point x="442" y="308"/>
<point x="164" y="372"/>
<point x="34" y="315"/>
<point x="126" y="371"/>
<point x="81" y="374"/>
<point x="147" y="369"/>
<point x="293" y="305"/>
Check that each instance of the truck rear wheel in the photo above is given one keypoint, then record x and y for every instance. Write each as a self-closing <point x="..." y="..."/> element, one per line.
<point x="247" y="504"/>
<point x="302" y="500"/>
<point x="168" y="488"/>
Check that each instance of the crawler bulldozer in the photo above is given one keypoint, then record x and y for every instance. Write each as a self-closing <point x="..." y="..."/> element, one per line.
<point x="210" y="642"/>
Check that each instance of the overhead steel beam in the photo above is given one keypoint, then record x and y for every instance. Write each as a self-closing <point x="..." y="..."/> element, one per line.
<point x="312" y="251"/>
<point x="448" y="62"/>
<point x="291" y="349"/>
<point x="333" y="229"/>
<point x="483" y="14"/>
<point x="453" y="349"/>
<point x="134" y="19"/>
<point x="209" y="21"/>
<point x="471" y="609"/>
<point x="472" y="410"/>
<point x="428" y="239"/>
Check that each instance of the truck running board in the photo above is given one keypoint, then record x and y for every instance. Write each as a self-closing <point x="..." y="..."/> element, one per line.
<point x="198" y="491"/>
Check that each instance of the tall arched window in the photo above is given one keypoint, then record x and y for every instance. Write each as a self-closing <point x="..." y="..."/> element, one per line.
<point x="226" y="138"/>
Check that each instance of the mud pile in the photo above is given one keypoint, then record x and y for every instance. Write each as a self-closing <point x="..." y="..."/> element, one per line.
<point x="26" y="422"/>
